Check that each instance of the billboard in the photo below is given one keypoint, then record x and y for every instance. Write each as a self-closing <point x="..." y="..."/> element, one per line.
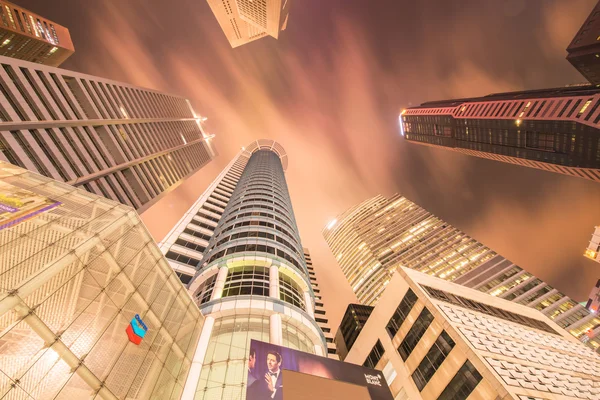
<point x="266" y="362"/>
<point x="18" y="205"/>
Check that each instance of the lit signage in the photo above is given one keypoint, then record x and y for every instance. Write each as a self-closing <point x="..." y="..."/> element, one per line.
<point x="136" y="330"/>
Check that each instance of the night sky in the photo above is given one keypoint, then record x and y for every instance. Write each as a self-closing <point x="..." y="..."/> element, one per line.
<point x="330" y="91"/>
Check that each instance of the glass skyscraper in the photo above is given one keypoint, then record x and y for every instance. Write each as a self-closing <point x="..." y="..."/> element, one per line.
<point x="554" y="130"/>
<point x="239" y="248"/>
<point x="123" y="142"/>
<point x="373" y="239"/>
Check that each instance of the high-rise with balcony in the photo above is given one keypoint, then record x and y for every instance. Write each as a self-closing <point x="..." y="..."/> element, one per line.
<point x="374" y="238"/>
<point x="554" y="130"/>
<point x="244" y="21"/>
<point x="30" y="37"/>
<point x="239" y="248"/>
<point x="116" y="140"/>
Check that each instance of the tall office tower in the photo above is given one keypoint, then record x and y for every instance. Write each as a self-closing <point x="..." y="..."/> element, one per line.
<point x="593" y="303"/>
<point x="353" y="321"/>
<point x="593" y="250"/>
<point x="320" y="312"/>
<point x="551" y="129"/>
<point x="251" y="281"/>
<point x="437" y="340"/>
<point x="373" y="239"/>
<point x="244" y="21"/>
<point x="30" y="37"/>
<point x="584" y="50"/>
<point x="119" y="141"/>
<point x="75" y="271"/>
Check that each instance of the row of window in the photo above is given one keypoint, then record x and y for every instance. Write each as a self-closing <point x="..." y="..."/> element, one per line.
<point x="197" y="234"/>
<point x="488" y="310"/>
<point x="256" y="248"/>
<point x="192" y="246"/>
<point x="192" y="262"/>
<point x="260" y="199"/>
<point x="256" y="234"/>
<point x="257" y="213"/>
<point x="257" y="223"/>
<point x="35" y="27"/>
<point x="401" y="313"/>
<point x="465" y="380"/>
<point x="252" y="280"/>
<point x="433" y="360"/>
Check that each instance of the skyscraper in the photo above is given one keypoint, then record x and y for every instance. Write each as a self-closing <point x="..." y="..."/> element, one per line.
<point x="320" y="311"/>
<point x="553" y="130"/>
<point x="593" y="250"/>
<point x="240" y="243"/>
<point x="374" y="238"/>
<point x="244" y="21"/>
<point x="119" y="141"/>
<point x="30" y="37"/>
<point x="584" y="50"/>
<point x="353" y="321"/>
<point x="433" y="339"/>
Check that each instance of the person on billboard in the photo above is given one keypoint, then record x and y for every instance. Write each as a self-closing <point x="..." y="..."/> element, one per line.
<point x="252" y="379"/>
<point x="273" y="383"/>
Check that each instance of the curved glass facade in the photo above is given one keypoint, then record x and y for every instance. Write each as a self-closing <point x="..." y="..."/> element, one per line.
<point x="253" y="281"/>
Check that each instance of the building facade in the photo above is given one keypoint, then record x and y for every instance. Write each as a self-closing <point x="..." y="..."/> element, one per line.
<point x="244" y="21"/>
<point x="75" y="271"/>
<point x="593" y="303"/>
<point x="353" y="321"/>
<point x="249" y="276"/>
<point x="555" y="130"/>
<point x="437" y="340"/>
<point x="584" y="48"/>
<point x="373" y="239"/>
<point x="30" y="37"/>
<point x="115" y="140"/>
<point x="593" y="250"/>
<point x="320" y="310"/>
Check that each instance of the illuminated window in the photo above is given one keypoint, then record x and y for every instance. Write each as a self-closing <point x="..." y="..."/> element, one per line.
<point x="34" y="27"/>
<point x="290" y="291"/>
<point x="27" y="24"/>
<point x="10" y="16"/>
<point x="247" y="280"/>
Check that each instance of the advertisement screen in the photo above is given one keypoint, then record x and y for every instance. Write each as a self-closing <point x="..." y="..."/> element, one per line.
<point x="266" y="362"/>
<point x="18" y="205"/>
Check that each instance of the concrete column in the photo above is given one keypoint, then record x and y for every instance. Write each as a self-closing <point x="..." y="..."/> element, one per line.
<point x="275" y="335"/>
<point x="308" y="304"/>
<point x="274" y="281"/>
<point x="319" y="350"/>
<point x="219" y="283"/>
<point x="191" y="383"/>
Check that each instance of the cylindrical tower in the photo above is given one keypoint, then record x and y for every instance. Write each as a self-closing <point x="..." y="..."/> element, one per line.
<point x="253" y="282"/>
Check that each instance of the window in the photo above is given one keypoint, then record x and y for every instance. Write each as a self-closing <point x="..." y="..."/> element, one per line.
<point x="487" y="309"/>
<point x="433" y="359"/>
<point x="290" y="291"/>
<point x="196" y="234"/>
<point x="190" y="245"/>
<point x="247" y="280"/>
<point x="374" y="356"/>
<point x="407" y="303"/>
<point x="415" y="333"/>
<point x="204" y="292"/>
<point x="192" y="262"/>
<point x="463" y="383"/>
